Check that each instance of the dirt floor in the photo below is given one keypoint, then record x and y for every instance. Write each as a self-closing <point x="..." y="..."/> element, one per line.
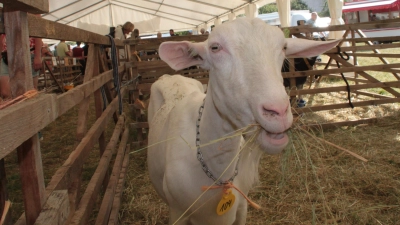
<point x="311" y="182"/>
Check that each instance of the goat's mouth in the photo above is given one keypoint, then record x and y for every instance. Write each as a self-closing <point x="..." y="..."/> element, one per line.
<point x="276" y="139"/>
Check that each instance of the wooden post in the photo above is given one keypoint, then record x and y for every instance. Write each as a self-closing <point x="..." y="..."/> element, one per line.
<point x="29" y="156"/>
<point x="4" y="212"/>
<point x="56" y="209"/>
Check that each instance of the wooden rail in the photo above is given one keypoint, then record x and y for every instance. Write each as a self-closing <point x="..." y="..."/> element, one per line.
<point x="60" y="201"/>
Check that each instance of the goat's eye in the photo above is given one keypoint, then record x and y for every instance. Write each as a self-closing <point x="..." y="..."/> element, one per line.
<point x="215" y="47"/>
<point x="284" y="48"/>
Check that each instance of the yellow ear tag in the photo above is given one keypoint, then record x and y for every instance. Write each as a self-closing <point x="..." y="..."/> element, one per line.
<point x="226" y="203"/>
<point x="286" y="32"/>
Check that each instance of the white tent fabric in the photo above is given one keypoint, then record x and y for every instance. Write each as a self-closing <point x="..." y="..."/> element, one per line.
<point x="335" y="9"/>
<point x="283" y="10"/>
<point x="149" y="16"/>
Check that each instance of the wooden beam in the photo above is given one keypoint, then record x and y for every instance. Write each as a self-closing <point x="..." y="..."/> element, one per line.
<point x="88" y="199"/>
<point x="4" y="201"/>
<point x="113" y="220"/>
<point x="106" y="204"/>
<point x="30" y="6"/>
<point x="29" y="155"/>
<point x="325" y="126"/>
<point x="40" y="112"/>
<point x="390" y="84"/>
<point x="347" y="67"/>
<point x="19" y="59"/>
<point x="69" y="171"/>
<point x="39" y="27"/>
<point x="56" y="209"/>
<point x="345" y="105"/>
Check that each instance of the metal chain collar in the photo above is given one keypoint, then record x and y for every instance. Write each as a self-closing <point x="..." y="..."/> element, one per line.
<point x="200" y="155"/>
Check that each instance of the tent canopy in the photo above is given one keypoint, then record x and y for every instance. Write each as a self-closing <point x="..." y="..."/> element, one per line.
<point x="149" y="16"/>
<point x="373" y="5"/>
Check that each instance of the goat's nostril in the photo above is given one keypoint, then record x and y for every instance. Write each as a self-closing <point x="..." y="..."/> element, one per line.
<point x="270" y="112"/>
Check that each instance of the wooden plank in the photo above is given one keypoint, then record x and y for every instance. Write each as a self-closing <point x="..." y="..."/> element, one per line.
<point x="365" y="75"/>
<point x="345" y="105"/>
<point x="19" y="59"/>
<point x="372" y="95"/>
<point x="39" y="27"/>
<point x="158" y="41"/>
<point x="92" y="69"/>
<point x="40" y="112"/>
<point x="373" y="55"/>
<point x="4" y="201"/>
<point x="30" y="6"/>
<point x="108" y="198"/>
<point x="88" y="199"/>
<point x="344" y="88"/>
<point x="345" y="69"/>
<point x="113" y="219"/>
<point x="69" y="171"/>
<point x="29" y="155"/>
<point x="325" y="126"/>
<point x="31" y="171"/>
<point x="139" y="125"/>
<point x="56" y="209"/>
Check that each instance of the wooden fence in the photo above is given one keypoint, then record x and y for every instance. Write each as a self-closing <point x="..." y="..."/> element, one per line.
<point x="59" y="201"/>
<point x="150" y="68"/>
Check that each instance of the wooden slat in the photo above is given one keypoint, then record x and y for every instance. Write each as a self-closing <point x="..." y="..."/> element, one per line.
<point x="30" y="6"/>
<point x="325" y="126"/>
<point x="4" y="201"/>
<point x="29" y="155"/>
<point x="70" y="170"/>
<point x="344" y="88"/>
<point x="345" y="69"/>
<point x="56" y="209"/>
<point x="19" y="62"/>
<point x="92" y="69"/>
<point x="41" y="112"/>
<point x="366" y="75"/>
<point x="346" y="105"/>
<point x="113" y="220"/>
<point x="39" y="27"/>
<point x="139" y="125"/>
<point x="106" y="205"/>
<point x="89" y="197"/>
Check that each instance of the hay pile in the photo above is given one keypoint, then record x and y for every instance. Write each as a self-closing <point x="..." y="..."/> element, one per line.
<point x="311" y="182"/>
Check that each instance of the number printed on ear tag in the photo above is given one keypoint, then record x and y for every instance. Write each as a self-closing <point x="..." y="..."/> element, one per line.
<point x="226" y="202"/>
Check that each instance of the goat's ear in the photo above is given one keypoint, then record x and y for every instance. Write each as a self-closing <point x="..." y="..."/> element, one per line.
<point x="298" y="48"/>
<point x="180" y="55"/>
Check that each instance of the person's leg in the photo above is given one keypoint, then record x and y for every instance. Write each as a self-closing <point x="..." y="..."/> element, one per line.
<point x="35" y="74"/>
<point x="5" y="91"/>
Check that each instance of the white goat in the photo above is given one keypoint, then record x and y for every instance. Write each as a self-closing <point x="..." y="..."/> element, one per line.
<point x="244" y="58"/>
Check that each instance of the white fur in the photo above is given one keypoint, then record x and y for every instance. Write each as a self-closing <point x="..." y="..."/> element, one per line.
<point x="245" y="87"/>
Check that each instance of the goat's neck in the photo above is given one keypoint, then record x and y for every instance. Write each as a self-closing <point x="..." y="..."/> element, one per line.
<point x="213" y="127"/>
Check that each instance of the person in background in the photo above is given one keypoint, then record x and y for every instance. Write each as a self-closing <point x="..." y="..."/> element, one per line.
<point x="159" y="35"/>
<point x="313" y="23"/>
<point x="121" y="33"/>
<point x="312" y="20"/>
<point x="78" y="50"/>
<point x="172" y="33"/>
<point x="202" y="31"/>
<point x="35" y="45"/>
<point x="62" y="50"/>
<point x="47" y="53"/>
<point x="135" y="35"/>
